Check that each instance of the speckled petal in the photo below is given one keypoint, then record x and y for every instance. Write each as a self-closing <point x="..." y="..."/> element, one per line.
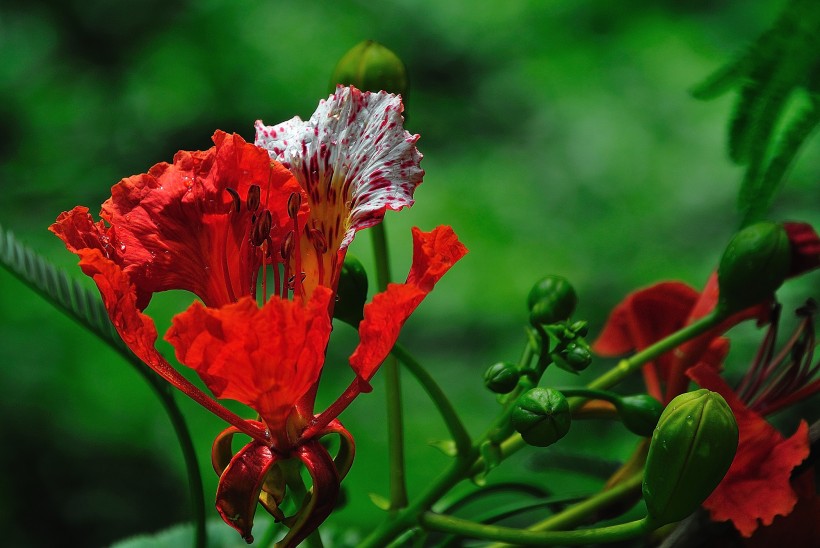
<point x="353" y="158"/>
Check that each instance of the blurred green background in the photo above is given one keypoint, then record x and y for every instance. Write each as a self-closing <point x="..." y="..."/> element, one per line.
<point x="558" y="137"/>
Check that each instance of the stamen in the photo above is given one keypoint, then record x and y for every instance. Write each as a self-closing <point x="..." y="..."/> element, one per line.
<point x="261" y="228"/>
<point x="264" y="271"/>
<point x="294" y="203"/>
<point x="286" y="252"/>
<point x="253" y="198"/>
<point x="319" y="241"/>
<point x="235" y="197"/>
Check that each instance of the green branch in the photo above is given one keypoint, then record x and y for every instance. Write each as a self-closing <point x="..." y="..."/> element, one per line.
<point x="448" y="413"/>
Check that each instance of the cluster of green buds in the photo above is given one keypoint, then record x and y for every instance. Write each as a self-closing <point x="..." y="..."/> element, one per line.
<point x="690" y="452"/>
<point x="552" y="301"/>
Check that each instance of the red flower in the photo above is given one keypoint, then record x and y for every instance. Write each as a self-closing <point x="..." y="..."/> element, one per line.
<point x="217" y="223"/>
<point x="757" y="485"/>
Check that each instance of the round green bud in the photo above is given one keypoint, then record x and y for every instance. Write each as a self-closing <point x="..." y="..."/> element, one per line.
<point x="371" y="67"/>
<point x="551" y="300"/>
<point x="541" y="416"/>
<point x="577" y="355"/>
<point x="352" y="292"/>
<point x="639" y="413"/>
<point x="690" y="452"/>
<point x="754" y="265"/>
<point x="502" y="377"/>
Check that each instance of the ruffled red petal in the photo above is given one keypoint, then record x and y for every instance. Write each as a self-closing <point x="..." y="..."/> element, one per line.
<point x="434" y="253"/>
<point x="757" y="486"/>
<point x="177" y="225"/>
<point x="266" y="358"/>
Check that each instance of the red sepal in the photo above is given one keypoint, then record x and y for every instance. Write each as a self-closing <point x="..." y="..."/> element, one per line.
<point x="322" y="498"/>
<point x="240" y="485"/>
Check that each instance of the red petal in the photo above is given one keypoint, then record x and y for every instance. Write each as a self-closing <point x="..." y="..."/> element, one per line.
<point x="240" y="485"/>
<point x="756" y="487"/>
<point x="805" y="247"/>
<point x="266" y="357"/>
<point x="644" y="317"/>
<point x="801" y="527"/>
<point x="175" y="223"/>
<point x="323" y="494"/>
<point x="433" y="255"/>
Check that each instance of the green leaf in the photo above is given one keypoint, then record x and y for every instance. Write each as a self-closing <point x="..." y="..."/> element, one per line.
<point x="380" y="501"/>
<point x="55" y="285"/>
<point x="756" y="203"/>
<point x="68" y="296"/>
<point x="448" y="447"/>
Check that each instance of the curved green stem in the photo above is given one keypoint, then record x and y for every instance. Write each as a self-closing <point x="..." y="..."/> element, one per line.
<point x="448" y="413"/>
<point x="392" y="379"/>
<point x="628" y="366"/>
<point x="471" y="529"/>
<point x="87" y="309"/>
<point x="195" y="490"/>
<point x="574" y="515"/>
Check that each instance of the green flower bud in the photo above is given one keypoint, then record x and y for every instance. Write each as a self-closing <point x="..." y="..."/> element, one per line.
<point x="541" y="416"/>
<point x="502" y="377"/>
<point x="577" y="355"/>
<point x="352" y="292"/>
<point x="639" y="413"/>
<point x="551" y="300"/>
<point x="754" y="265"/>
<point x="691" y="450"/>
<point x="371" y="67"/>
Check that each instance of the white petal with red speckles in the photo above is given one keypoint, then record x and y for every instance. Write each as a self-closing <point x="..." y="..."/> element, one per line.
<point x="353" y="158"/>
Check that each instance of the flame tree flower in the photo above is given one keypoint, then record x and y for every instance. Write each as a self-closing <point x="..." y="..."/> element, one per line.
<point x="261" y="242"/>
<point x="764" y="457"/>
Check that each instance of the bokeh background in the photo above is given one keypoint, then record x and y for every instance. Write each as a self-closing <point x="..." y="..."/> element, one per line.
<point x="559" y="137"/>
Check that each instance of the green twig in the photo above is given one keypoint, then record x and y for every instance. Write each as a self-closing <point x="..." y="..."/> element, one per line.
<point x="448" y="413"/>
<point x="471" y="529"/>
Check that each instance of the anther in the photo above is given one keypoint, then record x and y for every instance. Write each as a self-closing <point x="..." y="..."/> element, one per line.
<point x="287" y="246"/>
<point x="319" y="241"/>
<point x="235" y="198"/>
<point x="253" y="197"/>
<point x="294" y="203"/>
<point x="261" y="228"/>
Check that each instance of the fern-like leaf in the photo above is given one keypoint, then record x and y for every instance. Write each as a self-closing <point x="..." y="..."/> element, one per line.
<point x="783" y="61"/>
<point x="87" y="308"/>
<point x="799" y="130"/>
<point x="55" y="285"/>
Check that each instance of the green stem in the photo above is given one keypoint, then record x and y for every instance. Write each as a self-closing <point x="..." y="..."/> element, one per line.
<point x="574" y="515"/>
<point x="195" y="490"/>
<point x="629" y="366"/>
<point x="392" y="379"/>
<point x="451" y="419"/>
<point x="471" y="529"/>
